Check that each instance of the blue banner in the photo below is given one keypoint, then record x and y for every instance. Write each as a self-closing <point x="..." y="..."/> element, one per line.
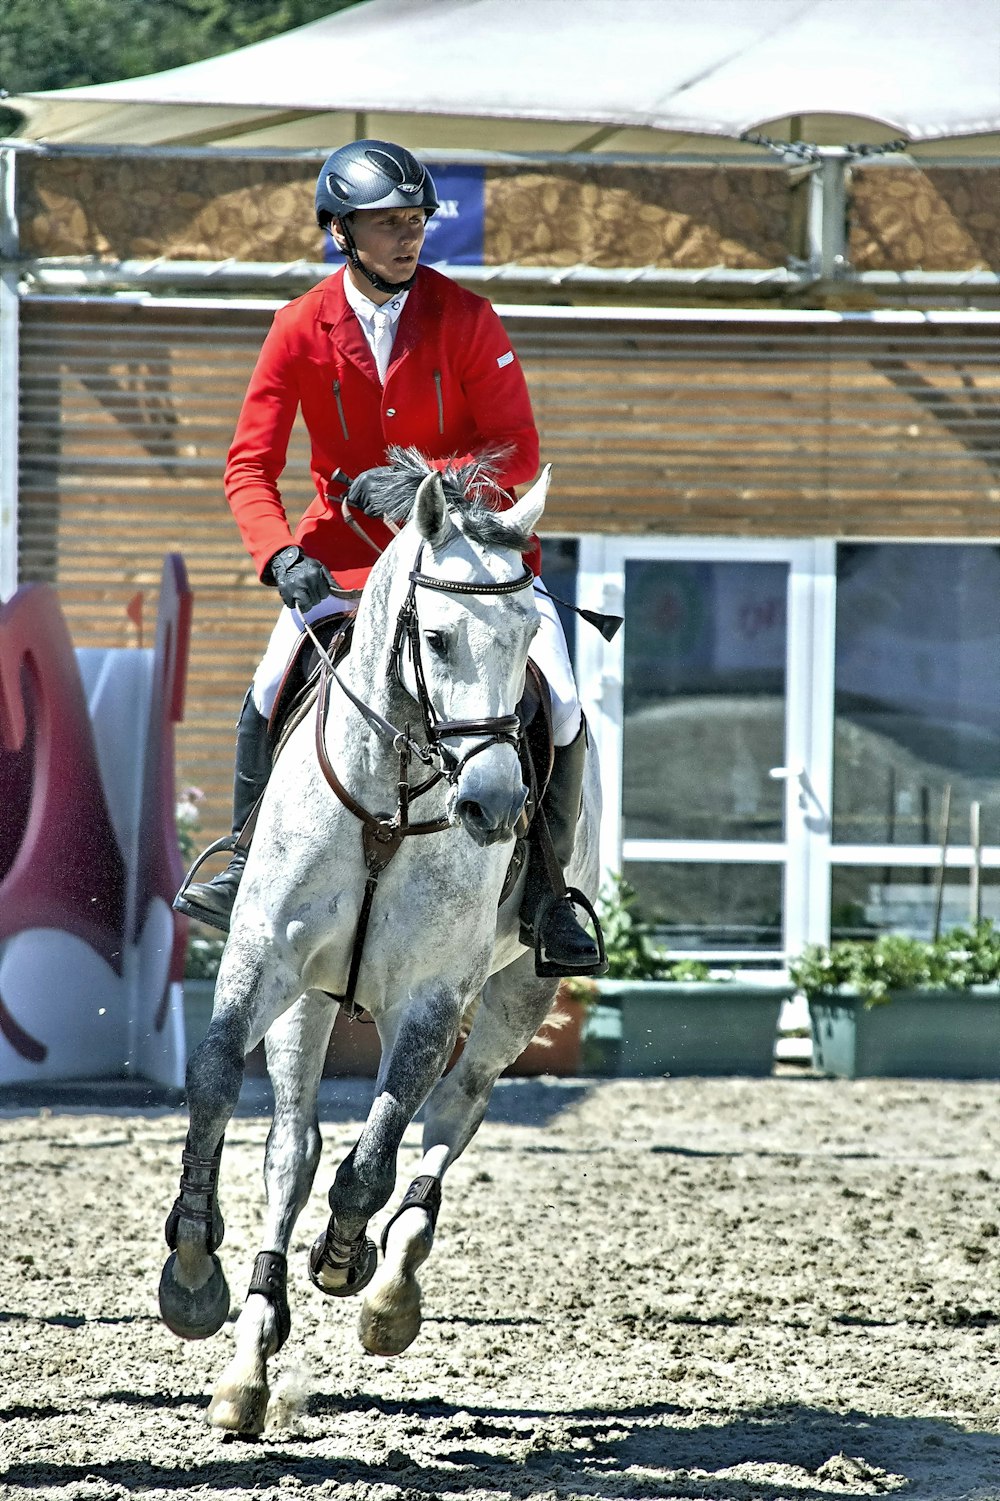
<point x="455" y="232"/>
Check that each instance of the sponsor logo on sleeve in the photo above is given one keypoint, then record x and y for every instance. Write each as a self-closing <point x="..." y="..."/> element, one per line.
<point x="505" y="359"/>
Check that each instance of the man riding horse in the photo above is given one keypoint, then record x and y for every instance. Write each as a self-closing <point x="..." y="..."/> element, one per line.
<point x="386" y="353"/>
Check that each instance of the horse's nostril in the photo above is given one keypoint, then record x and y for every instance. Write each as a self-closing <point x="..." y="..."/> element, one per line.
<point x="472" y="812"/>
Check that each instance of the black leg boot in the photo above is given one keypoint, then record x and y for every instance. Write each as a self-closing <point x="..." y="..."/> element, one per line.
<point x="562" y="946"/>
<point x="212" y="901"/>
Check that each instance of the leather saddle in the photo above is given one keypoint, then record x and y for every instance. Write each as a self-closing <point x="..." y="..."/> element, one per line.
<point x="299" y="688"/>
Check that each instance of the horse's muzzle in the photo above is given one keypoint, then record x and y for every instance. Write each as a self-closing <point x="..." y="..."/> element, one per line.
<point x="488" y="807"/>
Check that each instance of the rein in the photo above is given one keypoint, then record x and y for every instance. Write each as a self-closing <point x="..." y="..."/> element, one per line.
<point x="382" y="835"/>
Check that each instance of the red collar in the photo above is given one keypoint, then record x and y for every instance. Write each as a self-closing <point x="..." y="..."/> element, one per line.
<point x="334" y="306"/>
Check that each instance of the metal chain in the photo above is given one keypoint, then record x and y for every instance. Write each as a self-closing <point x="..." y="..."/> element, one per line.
<point x="800" y="149"/>
<point x="807" y="152"/>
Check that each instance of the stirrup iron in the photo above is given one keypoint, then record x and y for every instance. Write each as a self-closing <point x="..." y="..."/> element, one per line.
<point x="547" y="968"/>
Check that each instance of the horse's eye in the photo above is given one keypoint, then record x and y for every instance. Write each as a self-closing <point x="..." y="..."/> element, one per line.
<point x="437" y="642"/>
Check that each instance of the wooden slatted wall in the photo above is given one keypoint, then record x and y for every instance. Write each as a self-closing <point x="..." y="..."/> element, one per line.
<point x="843" y="428"/>
<point x="855" y="428"/>
<point x="126" y="416"/>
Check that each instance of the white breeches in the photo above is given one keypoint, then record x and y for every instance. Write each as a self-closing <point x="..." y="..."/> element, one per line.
<point x="548" y="651"/>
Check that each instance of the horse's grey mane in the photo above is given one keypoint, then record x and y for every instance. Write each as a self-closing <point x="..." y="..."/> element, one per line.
<point x="462" y="486"/>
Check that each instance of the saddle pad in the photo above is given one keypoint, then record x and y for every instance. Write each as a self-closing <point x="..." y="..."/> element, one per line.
<point x="300" y="684"/>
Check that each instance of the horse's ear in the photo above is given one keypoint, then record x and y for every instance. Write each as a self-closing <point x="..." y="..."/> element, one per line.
<point x="430" y="511"/>
<point x="526" y="514"/>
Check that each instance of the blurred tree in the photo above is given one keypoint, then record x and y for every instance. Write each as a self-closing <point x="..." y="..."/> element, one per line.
<point x="60" y="44"/>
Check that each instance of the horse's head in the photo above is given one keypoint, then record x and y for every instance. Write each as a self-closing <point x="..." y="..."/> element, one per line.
<point x="462" y="646"/>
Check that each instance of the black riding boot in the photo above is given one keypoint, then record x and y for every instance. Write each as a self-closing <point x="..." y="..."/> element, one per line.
<point x="563" y="946"/>
<point x="212" y="901"/>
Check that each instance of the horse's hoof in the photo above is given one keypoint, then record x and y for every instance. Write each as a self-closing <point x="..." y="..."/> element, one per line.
<point x="193" y="1313"/>
<point x="239" y="1410"/>
<point x="390" y="1319"/>
<point x="342" y="1281"/>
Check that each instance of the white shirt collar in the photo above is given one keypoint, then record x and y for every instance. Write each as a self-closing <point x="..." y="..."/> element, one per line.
<point x="366" y="309"/>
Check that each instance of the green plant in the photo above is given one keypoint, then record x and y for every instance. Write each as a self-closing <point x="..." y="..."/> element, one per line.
<point x="958" y="959"/>
<point x="204" y="948"/>
<point x="186" y="818"/>
<point x="201" y="962"/>
<point x="973" y="954"/>
<point x="626" y="933"/>
<point x="687" y="971"/>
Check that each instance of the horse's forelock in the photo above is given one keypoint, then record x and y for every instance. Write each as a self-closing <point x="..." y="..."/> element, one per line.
<point x="464" y="489"/>
<point x="398" y="485"/>
<point x="480" y="523"/>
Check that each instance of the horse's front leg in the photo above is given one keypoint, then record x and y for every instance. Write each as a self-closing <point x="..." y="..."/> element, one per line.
<point x="514" y="1006"/>
<point x="415" y="1053"/>
<point x="296" y="1049"/>
<point x="194" y="1295"/>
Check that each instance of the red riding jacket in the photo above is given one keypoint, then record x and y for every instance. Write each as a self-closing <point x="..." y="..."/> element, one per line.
<point x="454" y="388"/>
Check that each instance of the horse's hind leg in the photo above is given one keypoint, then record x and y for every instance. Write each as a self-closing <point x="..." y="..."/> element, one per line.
<point x="515" y="1004"/>
<point x="343" y="1260"/>
<point x="296" y="1049"/>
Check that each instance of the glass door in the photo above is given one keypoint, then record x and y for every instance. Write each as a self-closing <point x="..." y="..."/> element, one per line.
<point x="798" y="740"/>
<point x="712" y="715"/>
<point x="916" y="734"/>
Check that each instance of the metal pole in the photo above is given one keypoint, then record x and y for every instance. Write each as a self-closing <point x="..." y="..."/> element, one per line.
<point x="827" y="229"/>
<point x="9" y="374"/>
<point x="939" y="882"/>
<point x="975" y="874"/>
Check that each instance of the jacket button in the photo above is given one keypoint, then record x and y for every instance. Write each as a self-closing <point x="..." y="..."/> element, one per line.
<point x="390" y="411"/>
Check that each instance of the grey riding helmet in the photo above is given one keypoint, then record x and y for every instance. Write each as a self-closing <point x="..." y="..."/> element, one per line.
<point x="371" y="174"/>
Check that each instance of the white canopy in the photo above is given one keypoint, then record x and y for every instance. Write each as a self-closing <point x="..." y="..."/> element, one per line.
<point x="568" y="75"/>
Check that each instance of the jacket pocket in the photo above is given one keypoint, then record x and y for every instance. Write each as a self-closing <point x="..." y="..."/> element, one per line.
<point x="338" y="398"/>
<point x="440" y="400"/>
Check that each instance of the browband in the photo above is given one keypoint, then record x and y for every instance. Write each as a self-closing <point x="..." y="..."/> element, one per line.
<point x="454" y="586"/>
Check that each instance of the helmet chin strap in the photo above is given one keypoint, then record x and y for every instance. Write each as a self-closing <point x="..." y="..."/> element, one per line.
<point x="379" y="282"/>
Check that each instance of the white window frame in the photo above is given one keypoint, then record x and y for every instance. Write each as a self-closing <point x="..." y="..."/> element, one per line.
<point x="805" y="850"/>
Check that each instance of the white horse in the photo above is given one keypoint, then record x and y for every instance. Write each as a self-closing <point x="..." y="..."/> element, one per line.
<point x="443" y="632"/>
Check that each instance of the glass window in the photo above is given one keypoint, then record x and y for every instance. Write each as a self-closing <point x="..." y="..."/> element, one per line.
<point x="704" y="700"/>
<point x="695" y="905"/>
<point x="917" y="692"/>
<point x="560" y="562"/>
<point x="868" y="900"/>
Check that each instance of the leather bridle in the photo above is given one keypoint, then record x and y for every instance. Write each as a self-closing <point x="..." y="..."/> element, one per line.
<point x="495" y="730"/>
<point x="502" y="729"/>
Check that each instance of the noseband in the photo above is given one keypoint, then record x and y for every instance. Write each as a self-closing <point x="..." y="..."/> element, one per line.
<point x="502" y="729"/>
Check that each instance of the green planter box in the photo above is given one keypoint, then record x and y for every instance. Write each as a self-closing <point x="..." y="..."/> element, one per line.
<point x="703" y="1027"/>
<point x="921" y="1034"/>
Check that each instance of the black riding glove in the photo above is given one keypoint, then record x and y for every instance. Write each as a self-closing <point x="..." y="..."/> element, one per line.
<point x="301" y="580"/>
<point x="363" y="490"/>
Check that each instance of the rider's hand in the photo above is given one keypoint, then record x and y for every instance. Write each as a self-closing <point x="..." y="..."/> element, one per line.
<point x="301" y="580"/>
<point x="363" y="490"/>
